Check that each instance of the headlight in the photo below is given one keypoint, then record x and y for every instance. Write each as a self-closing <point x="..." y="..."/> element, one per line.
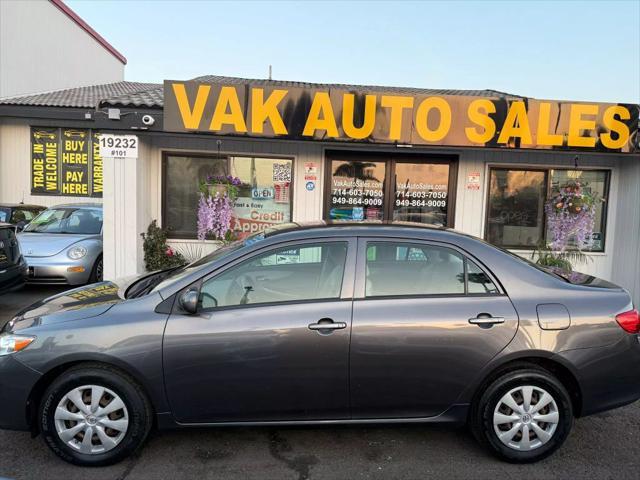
<point x="13" y="343"/>
<point x="77" y="252"/>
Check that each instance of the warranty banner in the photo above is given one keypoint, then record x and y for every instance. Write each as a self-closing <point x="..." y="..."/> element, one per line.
<point x="64" y="162"/>
<point x="385" y="117"/>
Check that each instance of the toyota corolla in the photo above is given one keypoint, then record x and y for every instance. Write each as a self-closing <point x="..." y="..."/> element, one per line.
<point x="324" y="324"/>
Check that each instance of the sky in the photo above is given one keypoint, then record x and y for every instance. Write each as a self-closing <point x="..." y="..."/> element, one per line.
<point x="569" y="50"/>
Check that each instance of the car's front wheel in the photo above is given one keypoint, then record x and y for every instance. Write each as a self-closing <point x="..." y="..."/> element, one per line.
<point x="94" y="415"/>
<point x="523" y="416"/>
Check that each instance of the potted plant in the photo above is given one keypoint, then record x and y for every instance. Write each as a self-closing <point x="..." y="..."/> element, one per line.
<point x="220" y="185"/>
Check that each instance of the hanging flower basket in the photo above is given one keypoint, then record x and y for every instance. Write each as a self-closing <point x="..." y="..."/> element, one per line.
<point x="215" y="207"/>
<point x="571" y="217"/>
<point x="219" y="189"/>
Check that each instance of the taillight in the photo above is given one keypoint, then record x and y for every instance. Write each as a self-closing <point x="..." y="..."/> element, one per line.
<point x="629" y="321"/>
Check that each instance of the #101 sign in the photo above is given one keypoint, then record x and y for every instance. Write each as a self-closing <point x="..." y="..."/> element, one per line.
<point x="118" y="146"/>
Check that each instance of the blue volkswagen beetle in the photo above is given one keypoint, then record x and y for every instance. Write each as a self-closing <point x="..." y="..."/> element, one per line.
<point x="63" y="245"/>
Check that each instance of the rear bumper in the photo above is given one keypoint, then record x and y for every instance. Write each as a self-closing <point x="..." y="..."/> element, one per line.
<point x="609" y="377"/>
<point x="13" y="277"/>
<point x="16" y="383"/>
<point x="55" y="270"/>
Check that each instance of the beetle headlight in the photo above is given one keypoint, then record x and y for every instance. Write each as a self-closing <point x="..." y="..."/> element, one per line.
<point x="77" y="252"/>
<point x="13" y="343"/>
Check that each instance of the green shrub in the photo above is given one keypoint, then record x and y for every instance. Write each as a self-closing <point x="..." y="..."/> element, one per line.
<point x="157" y="254"/>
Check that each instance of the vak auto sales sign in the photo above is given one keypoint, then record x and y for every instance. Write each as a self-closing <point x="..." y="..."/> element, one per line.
<point x="384" y="117"/>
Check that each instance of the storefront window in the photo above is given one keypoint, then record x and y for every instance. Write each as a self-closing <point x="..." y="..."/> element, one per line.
<point x="264" y="197"/>
<point x="594" y="183"/>
<point x="517" y="197"/>
<point x="376" y="188"/>
<point x="516" y="207"/>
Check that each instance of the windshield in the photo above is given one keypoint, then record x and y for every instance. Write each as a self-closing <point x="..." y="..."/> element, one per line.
<point x="5" y="213"/>
<point x="82" y="221"/>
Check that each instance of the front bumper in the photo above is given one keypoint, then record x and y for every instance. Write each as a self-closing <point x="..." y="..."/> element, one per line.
<point x="16" y="383"/>
<point x="58" y="269"/>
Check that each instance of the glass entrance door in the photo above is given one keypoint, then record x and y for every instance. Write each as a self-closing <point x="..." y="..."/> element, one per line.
<point x="421" y="192"/>
<point x="377" y="187"/>
<point x="357" y="190"/>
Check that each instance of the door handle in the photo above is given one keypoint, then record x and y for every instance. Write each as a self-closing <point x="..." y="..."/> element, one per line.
<point x="327" y="324"/>
<point x="484" y="319"/>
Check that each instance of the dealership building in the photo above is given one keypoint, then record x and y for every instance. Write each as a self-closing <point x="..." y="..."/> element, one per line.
<point x="482" y="162"/>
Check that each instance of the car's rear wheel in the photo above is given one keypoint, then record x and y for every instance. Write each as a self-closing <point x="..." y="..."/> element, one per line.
<point x="94" y="415"/>
<point x="523" y="416"/>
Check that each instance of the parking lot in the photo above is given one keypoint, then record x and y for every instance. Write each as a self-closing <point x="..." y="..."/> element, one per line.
<point x="602" y="446"/>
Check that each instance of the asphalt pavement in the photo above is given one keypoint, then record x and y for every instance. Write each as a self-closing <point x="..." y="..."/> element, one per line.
<point x="605" y="446"/>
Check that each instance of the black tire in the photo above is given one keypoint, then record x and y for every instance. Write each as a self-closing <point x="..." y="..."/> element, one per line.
<point x="482" y="413"/>
<point x="138" y="408"/>
<point x="97" y="271"/>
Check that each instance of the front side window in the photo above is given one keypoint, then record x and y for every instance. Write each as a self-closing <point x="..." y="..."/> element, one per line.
<point x="516" y="206"/>
<point x="263" y="197"/>
<point x="293" y="273"/>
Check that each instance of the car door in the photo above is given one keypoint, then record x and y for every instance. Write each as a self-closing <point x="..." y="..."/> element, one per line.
<point x="270" y="341"/>
<point x="426" y="319"/>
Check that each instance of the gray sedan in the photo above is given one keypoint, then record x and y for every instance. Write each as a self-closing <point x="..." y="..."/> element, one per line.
<point x="63" y="245"/>
<point x="318" y="324"/>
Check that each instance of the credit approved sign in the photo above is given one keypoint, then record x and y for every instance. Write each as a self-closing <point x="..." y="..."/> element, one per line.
<point x="381" y="117"/>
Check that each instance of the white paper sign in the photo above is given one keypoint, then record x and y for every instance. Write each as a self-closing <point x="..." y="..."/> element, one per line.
<point x="118" y="146"/>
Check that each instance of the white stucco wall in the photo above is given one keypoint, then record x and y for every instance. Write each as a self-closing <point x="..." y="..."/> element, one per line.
<point x="42" y="49"/>
<point x="15" y="167"/>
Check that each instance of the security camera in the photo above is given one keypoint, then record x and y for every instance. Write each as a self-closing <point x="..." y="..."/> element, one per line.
<point x="148" y="120"/>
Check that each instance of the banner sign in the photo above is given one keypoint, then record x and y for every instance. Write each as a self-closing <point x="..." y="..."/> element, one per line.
<point x="64" y="162"/>
<point x="381" y="117"/>
<point x="74" y="156"/>
<point x="44" y="161"/>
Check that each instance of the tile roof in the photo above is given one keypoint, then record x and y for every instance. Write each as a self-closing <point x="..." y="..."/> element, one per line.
<point x="82" y="97"/>
<point x="151" y="95"/>
<point x="216" y="79"/>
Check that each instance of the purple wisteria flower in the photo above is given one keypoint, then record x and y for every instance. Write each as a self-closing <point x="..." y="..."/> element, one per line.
<point x="214" y="216"/>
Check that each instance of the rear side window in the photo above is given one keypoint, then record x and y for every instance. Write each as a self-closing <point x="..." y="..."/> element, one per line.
<point x="405" y="269"/>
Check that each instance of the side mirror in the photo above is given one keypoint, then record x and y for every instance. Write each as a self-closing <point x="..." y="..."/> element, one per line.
<point x="20" y="226"/>
<point x="189" y="301"/>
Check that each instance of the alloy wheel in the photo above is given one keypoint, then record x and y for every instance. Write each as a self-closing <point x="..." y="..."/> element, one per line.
<point x="91" y="419"/>
<point x="526" y="418"/>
